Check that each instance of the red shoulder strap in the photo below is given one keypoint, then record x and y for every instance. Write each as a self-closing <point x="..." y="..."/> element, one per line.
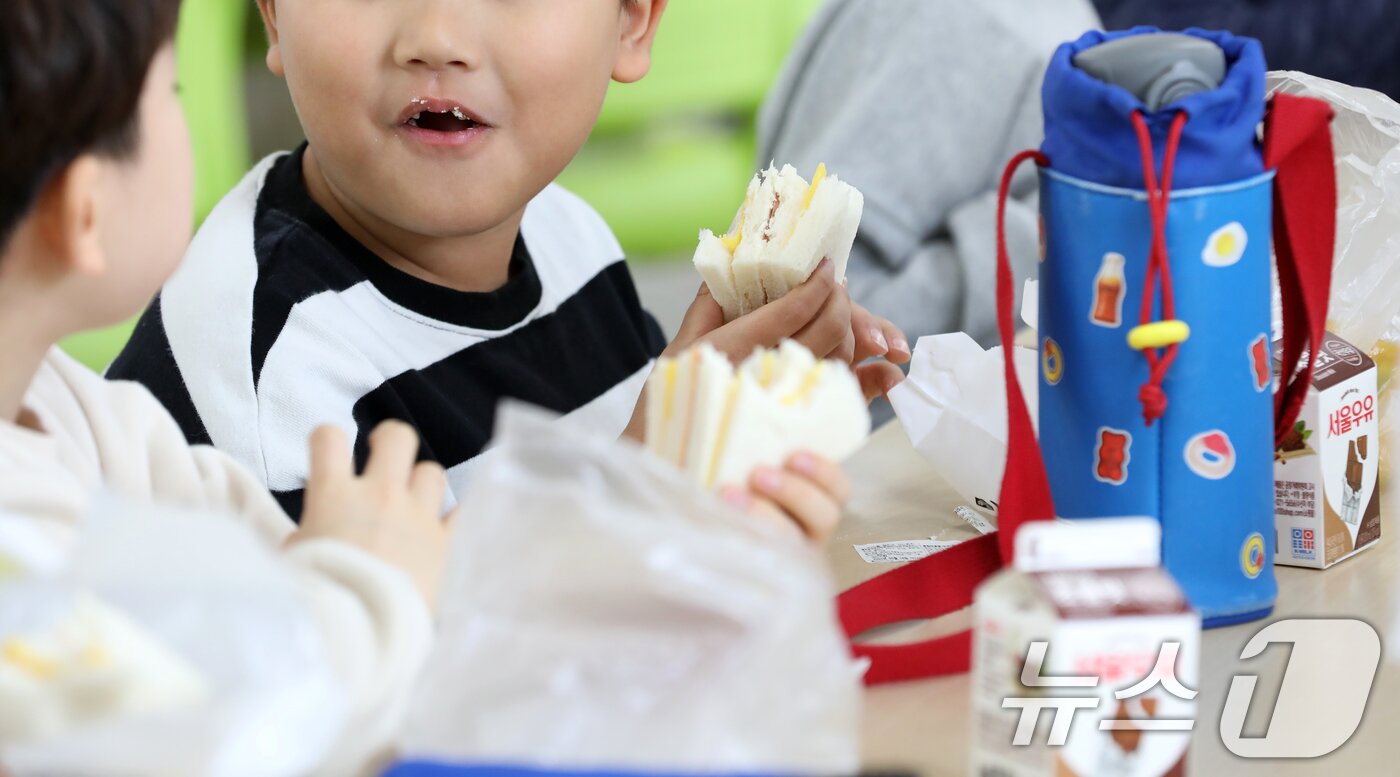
<point x="1298" y="145"/>
<point x="945" y="582"/>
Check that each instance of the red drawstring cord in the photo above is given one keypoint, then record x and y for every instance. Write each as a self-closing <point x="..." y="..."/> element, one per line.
<point x="1153" y="398"/>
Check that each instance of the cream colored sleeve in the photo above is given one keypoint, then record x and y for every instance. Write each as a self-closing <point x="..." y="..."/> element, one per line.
<point x="376" y="627"/>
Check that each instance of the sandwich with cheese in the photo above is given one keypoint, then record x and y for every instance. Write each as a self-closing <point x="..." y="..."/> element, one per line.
<point x="784" y="229"/>
<point x="717" y="423"/>
<point x="89" y="666"/>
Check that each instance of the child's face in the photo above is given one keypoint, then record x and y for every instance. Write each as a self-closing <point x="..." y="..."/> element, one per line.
<point x="529" y="75"/>
<point x="145" y="202"/>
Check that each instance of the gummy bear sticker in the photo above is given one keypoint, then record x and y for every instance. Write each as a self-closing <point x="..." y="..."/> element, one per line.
<point x="1260" y="363"/>
<point x="1210" y="455"/>
<point x="1052" y="361"/>
<point x="1226" y="246"/>
<point x="1111" y="458"/>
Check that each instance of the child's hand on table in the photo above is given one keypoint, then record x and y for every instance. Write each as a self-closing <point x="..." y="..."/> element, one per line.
<point x="808" y="494"/>
<point x="393" y="511"/>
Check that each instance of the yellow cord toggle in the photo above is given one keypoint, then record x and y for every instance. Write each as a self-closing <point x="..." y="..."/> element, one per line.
<point x="1159" y="334"/>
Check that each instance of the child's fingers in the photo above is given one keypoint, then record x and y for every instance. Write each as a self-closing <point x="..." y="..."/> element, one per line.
<point x="393" y="450"/>
<point x="784" y="318"/>
<point x="823" y="472"/>
<point x="330" y="457"/>
<point x="826" y="335"/>
<point x="814" y="509"/>
<point x="760" y="508"/>
<point x="900" y="352"/>
<point x="702" y="317"/>
<point x="427" y="484"/>
<point x="877" y="378"/>
<point x="869" y="333"/>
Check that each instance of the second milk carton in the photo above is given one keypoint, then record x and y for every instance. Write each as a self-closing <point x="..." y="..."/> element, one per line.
<point x="1085" y="657"/>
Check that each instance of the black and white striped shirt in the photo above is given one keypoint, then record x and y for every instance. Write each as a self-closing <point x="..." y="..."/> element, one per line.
<point x="279" y="321"/>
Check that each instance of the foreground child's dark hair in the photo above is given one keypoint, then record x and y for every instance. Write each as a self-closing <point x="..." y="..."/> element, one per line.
<point x="71" y="77"/>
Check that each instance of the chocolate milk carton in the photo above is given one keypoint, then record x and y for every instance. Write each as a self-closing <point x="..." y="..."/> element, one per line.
<point x="1326" y="472"/>
<point x="1085" y="657"/>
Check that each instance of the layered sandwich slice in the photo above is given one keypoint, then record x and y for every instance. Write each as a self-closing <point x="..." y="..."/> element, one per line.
<point x="784" y="229"/>
<point x="717" y="423"/>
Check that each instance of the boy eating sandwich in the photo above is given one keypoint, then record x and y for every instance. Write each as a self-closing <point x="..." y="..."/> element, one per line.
<point x="414" y="260"/>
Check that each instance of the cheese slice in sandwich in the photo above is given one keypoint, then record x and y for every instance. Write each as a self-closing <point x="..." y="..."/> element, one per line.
<point x="784" y="229"/>
<point x="778" y="402"/>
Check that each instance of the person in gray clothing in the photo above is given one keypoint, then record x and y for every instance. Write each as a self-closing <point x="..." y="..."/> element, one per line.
<point x="919" y="104"/>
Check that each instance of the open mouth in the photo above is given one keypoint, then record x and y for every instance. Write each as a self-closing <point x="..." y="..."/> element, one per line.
<point x="452" y="121"/>
<point x="440" y="116"/>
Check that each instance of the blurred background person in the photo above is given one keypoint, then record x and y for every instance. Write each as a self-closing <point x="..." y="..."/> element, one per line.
<point x="919" y="104"/>
<point x="1356" y="42"/>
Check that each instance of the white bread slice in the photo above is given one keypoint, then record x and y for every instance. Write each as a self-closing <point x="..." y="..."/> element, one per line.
<point x="827" y="229"/>
<point x="759" y="211"/>
<point x="713" y="259"/>
<point x="766" y="255"/>
<point x="712" y="389"/>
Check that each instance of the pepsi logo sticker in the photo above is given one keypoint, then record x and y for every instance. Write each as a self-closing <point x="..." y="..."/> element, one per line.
<point x="1211" y="455"/>
<point x="1111" y="457"/>
<point x="1252" y="556"/>
<point x="1261" y="363"/>
<point x="1052" y="361"/>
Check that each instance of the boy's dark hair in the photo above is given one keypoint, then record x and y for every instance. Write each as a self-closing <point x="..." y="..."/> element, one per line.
<point x="71" y="77"/>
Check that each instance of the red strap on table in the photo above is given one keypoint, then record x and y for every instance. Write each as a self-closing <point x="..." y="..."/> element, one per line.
<point x="1298" y="144"/>
<point x="944" y="582"/>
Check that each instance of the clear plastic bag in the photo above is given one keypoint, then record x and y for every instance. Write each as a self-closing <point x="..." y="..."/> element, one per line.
<point x="1365" y="304"/>
<point x="599" y="610"/>
<point x="171" y="643"/>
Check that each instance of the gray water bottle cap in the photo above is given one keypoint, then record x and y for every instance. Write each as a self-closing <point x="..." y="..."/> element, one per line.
<point x="1159" y="69"/>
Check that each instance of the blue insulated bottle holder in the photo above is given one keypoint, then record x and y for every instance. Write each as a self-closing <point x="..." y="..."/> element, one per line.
<point x="1155" y="387"/>
<point x="1206" y="467"/>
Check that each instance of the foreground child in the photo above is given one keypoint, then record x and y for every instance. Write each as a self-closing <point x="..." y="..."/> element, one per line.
<point x="93" y="218"/>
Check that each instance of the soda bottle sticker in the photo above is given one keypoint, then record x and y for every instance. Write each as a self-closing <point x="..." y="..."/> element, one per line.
<point x="1111" y="459"/>
<point x="1052" y="361"/>
<point x="1211" y="455"/>
<point x="1226" y="246"/>
<point x="1109" y="290"/>
<point x="1260" y="363"/>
